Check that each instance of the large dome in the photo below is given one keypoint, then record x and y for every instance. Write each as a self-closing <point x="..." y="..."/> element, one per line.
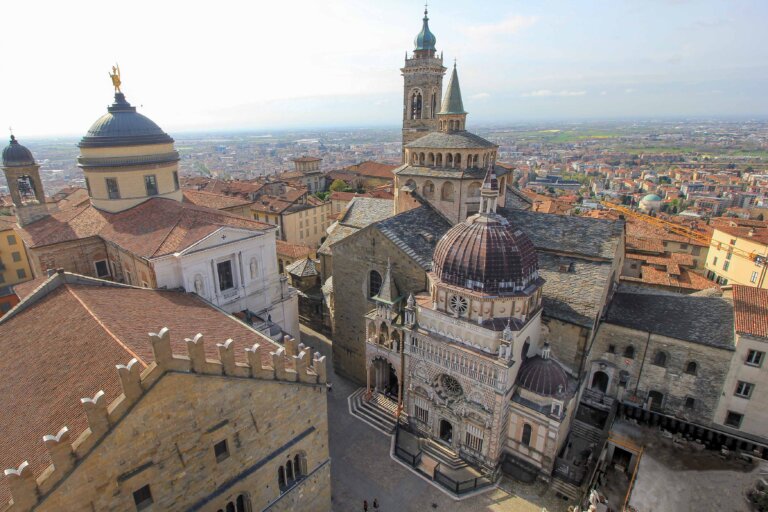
<point x="543" y="375"/>
<point x="16" y="155"/>
<point x="486" y="254"/>
<point x="123" y="126"/>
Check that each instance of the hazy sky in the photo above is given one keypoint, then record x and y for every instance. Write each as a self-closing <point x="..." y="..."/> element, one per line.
<point x="303" y="63"/>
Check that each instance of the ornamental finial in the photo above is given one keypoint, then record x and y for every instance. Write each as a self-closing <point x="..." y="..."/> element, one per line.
<point x="115" y="76"/>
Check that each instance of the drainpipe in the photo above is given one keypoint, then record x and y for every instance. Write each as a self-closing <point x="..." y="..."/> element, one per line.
<point x="642" y="364"/>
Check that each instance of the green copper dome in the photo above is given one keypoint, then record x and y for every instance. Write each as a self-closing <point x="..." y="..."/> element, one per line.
<point x="651" y="197"/>
<point x="425" y="40"/>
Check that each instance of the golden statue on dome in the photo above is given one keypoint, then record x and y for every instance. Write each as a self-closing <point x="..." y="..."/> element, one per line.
<point x="115" y="76"/>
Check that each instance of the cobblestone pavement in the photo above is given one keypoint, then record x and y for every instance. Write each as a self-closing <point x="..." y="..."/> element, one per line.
<point x="361" y="468"/>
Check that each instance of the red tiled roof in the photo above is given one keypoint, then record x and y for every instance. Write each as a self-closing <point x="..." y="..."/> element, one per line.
<point x="758" y="235"/>
<point x="215" y="201"/>
<point x="373" y="169"/>
<point x="65" y="346"/>
<point x="750" y="310"/>
<point x="153" y="228"/>
<point x="293" y="251"/>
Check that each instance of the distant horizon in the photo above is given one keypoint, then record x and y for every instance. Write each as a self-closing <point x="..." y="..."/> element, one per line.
<point x="337" y="64"/>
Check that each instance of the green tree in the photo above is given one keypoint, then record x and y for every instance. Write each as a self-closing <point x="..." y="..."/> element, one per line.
<point x="338" y="186"/>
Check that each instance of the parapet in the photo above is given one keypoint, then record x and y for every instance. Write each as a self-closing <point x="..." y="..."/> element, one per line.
<point x="291" y="363"/>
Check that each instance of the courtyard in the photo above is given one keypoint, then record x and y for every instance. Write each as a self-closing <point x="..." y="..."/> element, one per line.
<point x="362" y="468"/>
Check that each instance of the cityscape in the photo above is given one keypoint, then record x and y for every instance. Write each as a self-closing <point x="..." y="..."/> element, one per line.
<point x="449" y="311"/>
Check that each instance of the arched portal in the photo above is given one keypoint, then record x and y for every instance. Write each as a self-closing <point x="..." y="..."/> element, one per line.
<point x="382" y="378"/>
<point x="600" y="381"/>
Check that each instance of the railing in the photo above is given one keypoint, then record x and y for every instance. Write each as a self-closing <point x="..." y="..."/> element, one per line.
<point x="483" y="377"/>
<point x="460" y="486"/>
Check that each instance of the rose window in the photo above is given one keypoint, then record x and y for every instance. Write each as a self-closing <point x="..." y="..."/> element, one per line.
<point x="448" y="387"/>
<point x="459" y="304"/>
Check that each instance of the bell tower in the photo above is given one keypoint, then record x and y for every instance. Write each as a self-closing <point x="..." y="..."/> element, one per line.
<point x="423" y="86"/>
<point x="23" y="176"/>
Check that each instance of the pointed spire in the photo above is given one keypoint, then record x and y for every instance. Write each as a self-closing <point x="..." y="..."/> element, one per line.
<point x="452" y="103"/>
<point x="388" y="291"/>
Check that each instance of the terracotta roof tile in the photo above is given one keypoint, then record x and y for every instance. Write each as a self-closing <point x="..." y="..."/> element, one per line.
<point x="750" y="307"/>
<point x="215" y="201"/>
<point x="64" y="346"/>
<point x="153" y="228"/>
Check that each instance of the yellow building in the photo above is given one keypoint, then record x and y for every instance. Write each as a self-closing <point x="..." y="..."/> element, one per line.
<point x="738" y="255"/>
<point x="14" y="265"/>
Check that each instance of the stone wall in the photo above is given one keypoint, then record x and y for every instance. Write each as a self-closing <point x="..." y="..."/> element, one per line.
<point x="672" y="380"/>
<point x="76" y="256"/>
<point x="568" y="341"/>
<point x="162" y="430"/>
<point x="353" y="259"/>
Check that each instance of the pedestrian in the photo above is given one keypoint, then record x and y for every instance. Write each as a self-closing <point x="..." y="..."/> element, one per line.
<point x="365" y="505"/>
<point x="375" y="504"/>
<point x="329" y="386"/>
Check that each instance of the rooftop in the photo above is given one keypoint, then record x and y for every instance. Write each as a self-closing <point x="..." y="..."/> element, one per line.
<point x="750" y="307"/>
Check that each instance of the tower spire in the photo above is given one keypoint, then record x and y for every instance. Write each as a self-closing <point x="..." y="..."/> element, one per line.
<point x="452" y="115"/>
<point x="489" y="192"/>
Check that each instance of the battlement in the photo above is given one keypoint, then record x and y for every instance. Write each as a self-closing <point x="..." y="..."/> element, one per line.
<point x="292" y="363"/>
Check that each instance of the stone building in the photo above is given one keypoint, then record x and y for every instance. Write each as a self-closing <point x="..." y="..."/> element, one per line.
<point x="474" y="375"/>
<point x="98" y="415"/>
<point x="137" y="229"/>
<point x="669" y="353"/>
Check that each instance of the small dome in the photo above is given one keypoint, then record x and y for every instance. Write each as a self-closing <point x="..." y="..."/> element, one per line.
<point x="16" y="155"/>
<point x="123" y="126"/>
<point x="486" y="254"/>
<point x="542" y="375"/>
<point x="651" y="197"/>
<point x="425" y="40"/>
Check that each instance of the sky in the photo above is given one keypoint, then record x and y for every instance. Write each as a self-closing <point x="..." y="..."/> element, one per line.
<point x="265" y="65"/>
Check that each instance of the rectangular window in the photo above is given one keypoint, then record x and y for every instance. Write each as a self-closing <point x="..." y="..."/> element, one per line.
<point x="690" y="403"/>
<point x="753" y="277"/>
<point x="733" y="419"/>
<point x="714" y="261"/>
<point x="421" y="409"/>
<point x="474" y="438"/>
<point x="112" y="191"/>
<point x="226" y="279"/>
<point x="744" y="389"/>
<point x="755" y="358"/>
<point x="21" y="273"/>
<point x="733" y="241"/>
<point x="11" y="239"/>
<point x="176" y="179"/>
<point x="729" y="255"/>
<point x="142" y="498"/>
<point x="221" y="450"/>
<point x="683" y="246"/>
<point x="102" y="270"/>
<point x="726" y="264"/>
<point x="150" y="183"/>
<point x="16" y="256"/>
<point x="611" y="349"/>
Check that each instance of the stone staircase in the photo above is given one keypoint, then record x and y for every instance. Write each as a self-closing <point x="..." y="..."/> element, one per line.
<point x="566" y="489"/>
<point x="379" y="412"/>
<point x="585" y="431"/>
<point x="442" y="454"/>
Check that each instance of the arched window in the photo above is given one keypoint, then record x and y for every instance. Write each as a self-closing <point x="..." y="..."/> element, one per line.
<point x="660" y="358"/>
<point x="474" y="189"/>
<point x="691" y="368"/>
<point x="449" y="160"/>
<point x="439" y="160"/>
<point x="457" y="160"/>
<point x="243" y="505"/>
<point x="446" y="193"/>
<point x="297" y="466"/>
<point x="281" y="478"/>
<point x="414" y="158"/>
<point x="411" y="184"/>
<point x="526" y="440"/>
<point x="431" y="159"/>
<point x="416" y="105"/>
<point x="374" y="283"/>
<point x="230" y="507"/>
<point x="428" y="190"/>
<point x="289" y="472"/>
<point x="502" y="184"/>
<point x="629" y="352"/>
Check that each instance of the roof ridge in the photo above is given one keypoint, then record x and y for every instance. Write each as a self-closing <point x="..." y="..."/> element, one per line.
<point x="104" y="326"/>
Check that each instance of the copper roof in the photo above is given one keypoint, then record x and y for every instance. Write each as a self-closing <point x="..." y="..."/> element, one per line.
<point x="486" y="254"/>
<point x="543" y="376"/>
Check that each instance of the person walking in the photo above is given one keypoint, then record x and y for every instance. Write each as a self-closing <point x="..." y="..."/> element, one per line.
<point x="375" y="505"/>
<point x="365" y="505"/>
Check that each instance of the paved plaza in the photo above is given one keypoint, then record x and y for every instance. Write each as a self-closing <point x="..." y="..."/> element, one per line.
<point x="362" y="468"/>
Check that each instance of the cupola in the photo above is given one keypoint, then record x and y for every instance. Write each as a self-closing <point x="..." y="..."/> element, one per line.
<point x="425" y="40"/>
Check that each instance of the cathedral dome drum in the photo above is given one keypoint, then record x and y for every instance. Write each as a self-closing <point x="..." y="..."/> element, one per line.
<point x="16" y="155"/>
<point x="123" y="126"/>
<point x="486" y="254"/>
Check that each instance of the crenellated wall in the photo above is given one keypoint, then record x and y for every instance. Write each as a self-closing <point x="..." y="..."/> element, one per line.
<point x="162" y="429"/>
